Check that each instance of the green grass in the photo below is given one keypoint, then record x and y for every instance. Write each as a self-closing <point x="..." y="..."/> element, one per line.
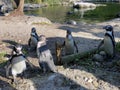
<point x="2" y="59"/>
<point x="118" y="46"/>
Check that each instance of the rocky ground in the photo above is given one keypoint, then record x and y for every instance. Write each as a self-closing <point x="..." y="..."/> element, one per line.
<point x="83" y="74"/>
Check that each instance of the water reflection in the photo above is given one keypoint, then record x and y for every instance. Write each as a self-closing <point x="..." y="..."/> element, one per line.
<point x="82" y="11"/>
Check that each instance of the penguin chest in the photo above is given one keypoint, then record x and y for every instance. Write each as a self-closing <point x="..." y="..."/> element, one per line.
<point x="108" y="45"/>
<point x="69" y="46"/>
<point x="18" y="64"/>
<point x="33" y="42"/>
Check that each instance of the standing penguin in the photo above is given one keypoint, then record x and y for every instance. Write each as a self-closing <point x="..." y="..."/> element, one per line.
<point x="16" y="62"/>
<point x="70" y="44"/>
<point x="33" y="39"/>
<point x="108" y="42"/>
<point x="45" y="57"/>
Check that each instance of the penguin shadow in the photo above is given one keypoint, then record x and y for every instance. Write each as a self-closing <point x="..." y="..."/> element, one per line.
<point x="13" y="43"/>
<point x="5" y="85"/>
<point x="84" y="29"/>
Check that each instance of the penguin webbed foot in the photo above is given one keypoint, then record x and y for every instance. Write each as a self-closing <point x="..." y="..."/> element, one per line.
<point x="14" y="81"/>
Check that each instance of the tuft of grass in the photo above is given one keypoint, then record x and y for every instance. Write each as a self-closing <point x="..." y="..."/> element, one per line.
<point x="25" y="51"/>
<point x="2" y="59"/>
<point x="118" y="46"/>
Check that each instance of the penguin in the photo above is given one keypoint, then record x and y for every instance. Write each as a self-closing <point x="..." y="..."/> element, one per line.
<point x="32" y="42"/>
<point x="45" y="57"/>
<point x="16" y="62"/>
<point x="108" y="42"/>
<point x="2" y="9"/>
<point x="69" y="44"/>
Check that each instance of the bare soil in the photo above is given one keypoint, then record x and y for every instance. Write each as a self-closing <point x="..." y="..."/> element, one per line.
<point x="103" y="76"/>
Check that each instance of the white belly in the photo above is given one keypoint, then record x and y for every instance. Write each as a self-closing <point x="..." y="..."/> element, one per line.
<point x="18" y="65"/>
<point x="108" y="46"/>
<point x="69" y="46"/>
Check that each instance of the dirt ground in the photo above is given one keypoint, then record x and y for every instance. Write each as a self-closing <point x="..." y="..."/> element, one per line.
<point x="73" y="77"/>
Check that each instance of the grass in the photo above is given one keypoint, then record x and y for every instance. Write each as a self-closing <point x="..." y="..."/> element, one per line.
<point x="2" y="59"/>
<point x="118" y="46"/>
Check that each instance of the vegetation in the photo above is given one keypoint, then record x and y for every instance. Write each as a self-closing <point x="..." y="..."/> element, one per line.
<point x="118" y="46"/>
<point x="33" y="1"/>
<point x="2" y="59"/>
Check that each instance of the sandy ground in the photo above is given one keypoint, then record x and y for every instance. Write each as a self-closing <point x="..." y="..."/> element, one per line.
<point x="87" y="37"/>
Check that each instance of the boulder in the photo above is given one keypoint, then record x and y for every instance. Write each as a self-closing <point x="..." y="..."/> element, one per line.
<point x="83" y="5"/>
<point x="98" y="57"/>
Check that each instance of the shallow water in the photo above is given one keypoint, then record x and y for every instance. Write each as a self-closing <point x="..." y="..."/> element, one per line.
<point x="61" y="14"/>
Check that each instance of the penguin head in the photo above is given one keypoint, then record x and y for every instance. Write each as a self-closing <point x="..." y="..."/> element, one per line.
<point x="68" y="32"/>
<point x="108" y="28"/>
<point x="33" y="30"/>
<point x="17" y="49"/>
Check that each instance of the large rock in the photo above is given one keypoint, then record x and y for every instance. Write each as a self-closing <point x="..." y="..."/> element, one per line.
<point x="83" y="5"/>
<point x="30" y="6"/>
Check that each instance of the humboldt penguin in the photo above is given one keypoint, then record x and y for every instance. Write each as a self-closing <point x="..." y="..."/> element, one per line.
<point x="69" y="44"/>
<point x="33" y="39"/>
<point x="108" y="42"/>
<point x="16" y="62"/>
<point x="45" y="57"/>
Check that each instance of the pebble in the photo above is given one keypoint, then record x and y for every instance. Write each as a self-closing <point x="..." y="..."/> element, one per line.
<point x="95" y="83"/>
<point x="98" y="57"/>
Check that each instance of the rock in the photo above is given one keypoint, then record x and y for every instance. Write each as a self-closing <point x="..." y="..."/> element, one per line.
<point x="52" y="77"/>
<point x="102" y="53"/>
<point x="83" y="4"/>
<point x="85" y="79"/>
<point x="72" y="22"/>
<point x="30" y="6"/>
<point x="95" y="83"/>
<point x="90" y="80"/>
<point x="98" y="57"/>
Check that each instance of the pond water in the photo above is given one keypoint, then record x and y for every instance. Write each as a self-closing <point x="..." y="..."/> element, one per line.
<point x="61" y="14"/>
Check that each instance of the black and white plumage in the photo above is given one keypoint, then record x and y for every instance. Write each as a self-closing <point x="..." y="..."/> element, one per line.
<point x="1" y="8"/>
<point x="108" y="42"/>
<point x="70" y="44"/>
<point x="17" y="62"/>
<point x="33" y="39"/>
<point x="45" y="57"/>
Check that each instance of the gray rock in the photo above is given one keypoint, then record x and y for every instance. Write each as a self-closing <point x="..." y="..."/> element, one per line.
<point x="72" y="22"/>
<point x="98" y="57"/>
<point x="102" y="53"/>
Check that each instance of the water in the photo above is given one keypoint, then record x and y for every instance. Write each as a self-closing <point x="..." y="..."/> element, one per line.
<point x="61" y="14"/>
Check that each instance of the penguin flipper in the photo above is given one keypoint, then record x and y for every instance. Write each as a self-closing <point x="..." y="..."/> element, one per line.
<point x="101" y="43"/>
<point x="76" y="46"/>
<point x="29" y="42"/>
